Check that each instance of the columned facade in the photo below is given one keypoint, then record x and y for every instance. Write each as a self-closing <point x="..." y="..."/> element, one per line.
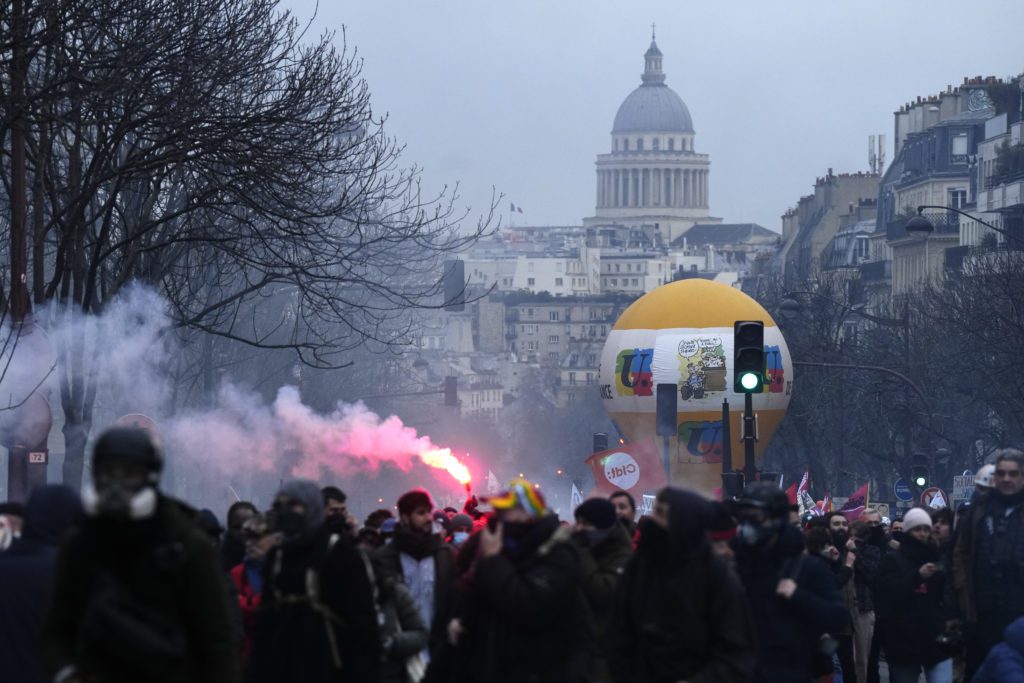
<point x="653" y="177"/>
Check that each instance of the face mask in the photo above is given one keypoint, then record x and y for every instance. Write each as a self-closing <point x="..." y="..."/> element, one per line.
<point x="755" y="534"/>
<point x="117" y="501"/>
<point x="459" y="537"/>
<point x="290" y="523"/>
<point x="337" y="524"/>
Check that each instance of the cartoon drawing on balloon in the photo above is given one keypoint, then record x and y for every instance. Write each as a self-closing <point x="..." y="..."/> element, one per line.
<point x="701" y="367"/>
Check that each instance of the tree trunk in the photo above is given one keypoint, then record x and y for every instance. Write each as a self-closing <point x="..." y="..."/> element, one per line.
<point x="75" y="437"/>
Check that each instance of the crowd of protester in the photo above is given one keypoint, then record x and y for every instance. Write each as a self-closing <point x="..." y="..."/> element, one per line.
<point x="128" y="584"/>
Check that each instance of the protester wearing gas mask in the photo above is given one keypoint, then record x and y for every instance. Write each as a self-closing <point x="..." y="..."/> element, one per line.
<point x="793" y="596"/>
<point x="137" y="592"/>
<point x="317" y="621"/>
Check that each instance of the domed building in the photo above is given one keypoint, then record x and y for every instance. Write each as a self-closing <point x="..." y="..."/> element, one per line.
<point x="653" y="179"/>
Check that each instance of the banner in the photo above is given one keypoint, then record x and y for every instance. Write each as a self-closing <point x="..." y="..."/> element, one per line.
<point x="633" y="467"/>
<point x="856" y="504"/>
<point x="492" y="483"/>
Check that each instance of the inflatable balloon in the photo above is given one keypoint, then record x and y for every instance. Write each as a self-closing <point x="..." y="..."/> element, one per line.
<point x="682" y="334"/>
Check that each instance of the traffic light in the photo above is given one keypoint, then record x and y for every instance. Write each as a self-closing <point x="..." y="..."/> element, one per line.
<point x="748" y="357"/>
<point x="451" y="391"/>
<point x="919" y="475"/>
<point x="600" y="442"/>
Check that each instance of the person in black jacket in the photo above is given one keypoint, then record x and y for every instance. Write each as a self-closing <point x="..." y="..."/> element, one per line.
<point x="317" y="621"/>
<point x="910" y="606"/>
<point x="521" y="614"/>
<point x="26" y="571"/>
<point x="793" y="596"/>
<point x="137" y="591"/>
<point x="679" y="613"/>
<point x="604" y="550"/>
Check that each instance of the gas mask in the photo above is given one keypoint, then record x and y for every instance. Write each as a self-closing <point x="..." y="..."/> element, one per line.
<point x="752" y="534"/>
<point x="115" y="499"/>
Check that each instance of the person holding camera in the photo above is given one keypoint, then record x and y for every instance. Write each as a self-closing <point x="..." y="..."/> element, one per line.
<point x="910" y="607"/>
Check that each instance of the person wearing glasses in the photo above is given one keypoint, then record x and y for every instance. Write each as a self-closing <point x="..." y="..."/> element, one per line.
<point x="988" y="561"/>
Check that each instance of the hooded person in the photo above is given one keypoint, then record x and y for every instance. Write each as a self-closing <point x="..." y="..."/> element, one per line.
<point x="232" y="546"/>
<point x="26" y="571"/>
<point x="604" y="550"/>
<point x="317" y="621"/>
<point x="1005" y="661"/>
<point x="793" y="596"/>
<point x="521" y="614"/>
<point x="679" y="613"/>
<point x="137" y="590"/>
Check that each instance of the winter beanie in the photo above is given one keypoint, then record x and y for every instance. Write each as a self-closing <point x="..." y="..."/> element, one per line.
<point x="410" y="501"/>
<point x="461" y="520"/>
<point x="597" y="511"/>
<point x="915" y="518"/>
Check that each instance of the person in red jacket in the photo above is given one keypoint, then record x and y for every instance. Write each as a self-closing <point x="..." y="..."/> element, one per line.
<point x="248" y="575"/>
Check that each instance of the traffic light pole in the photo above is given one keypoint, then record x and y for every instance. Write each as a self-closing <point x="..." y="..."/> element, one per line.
<point x="749" y="437"/>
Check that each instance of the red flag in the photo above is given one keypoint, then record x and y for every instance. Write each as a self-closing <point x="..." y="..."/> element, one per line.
<point x="856" y="504"/>
<point x="634" y="467"/>
<point x="791" y="493"/>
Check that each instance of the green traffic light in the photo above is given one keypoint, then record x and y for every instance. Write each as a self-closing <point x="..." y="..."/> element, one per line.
<point x="749" y="381"/>
<point x="920" y="481"/>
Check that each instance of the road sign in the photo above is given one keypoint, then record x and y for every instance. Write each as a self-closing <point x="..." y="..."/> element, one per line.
<point x="963" y="487"/>
<point x="934" y="497"/>
<point x="902" y="490"/>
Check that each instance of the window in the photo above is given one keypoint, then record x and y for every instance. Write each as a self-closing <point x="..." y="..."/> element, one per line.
<point x="591" y="359"/>
<point x="558" y="282"/>
<point x="655" y="144"/>
<point x="617" y="266"/>
<point x="572" y="378"/>
<point x="629" y="267"/>
<point x="558" y="266"/>
<point x="571" y="398"/>
<point x="529" y="312"/>
<point x="552" y="339"/>
<point x="615" y="282"/>
<point x="636" y="283"/>
<point x="604" y="330"/>
<point x="625" y="145"/>
<point x="531" y="346"/>
<point x="553" y="355"/>
<point x="590" y="378"/>
<point x="959" y="147"/>
<point x="639" y="144"/>
<point x="530" y="282"/>
<point x="693" y="268"/>
<point x="671" y="144"/>
<point x="957" y="198"/>
<point x="553" y="316"/>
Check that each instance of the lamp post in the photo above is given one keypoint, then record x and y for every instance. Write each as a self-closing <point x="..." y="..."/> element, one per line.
<point x="920" y="225"/>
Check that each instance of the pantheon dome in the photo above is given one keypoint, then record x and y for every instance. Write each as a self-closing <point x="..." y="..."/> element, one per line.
<point x="653" y="178"/>
<point x="653" y="106"/>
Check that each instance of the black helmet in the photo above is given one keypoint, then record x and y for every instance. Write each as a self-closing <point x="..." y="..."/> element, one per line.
<point x="129" y="445"/>
<point x="766" y="496"/>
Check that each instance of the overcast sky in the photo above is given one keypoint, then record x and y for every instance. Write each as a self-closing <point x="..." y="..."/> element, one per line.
<point x="520" y="95"/>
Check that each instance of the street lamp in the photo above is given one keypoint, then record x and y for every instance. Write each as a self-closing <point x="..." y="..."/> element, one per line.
<point x="920" y="225"/>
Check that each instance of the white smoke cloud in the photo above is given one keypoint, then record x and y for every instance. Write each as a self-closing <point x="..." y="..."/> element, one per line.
<point x="238" y="441"/>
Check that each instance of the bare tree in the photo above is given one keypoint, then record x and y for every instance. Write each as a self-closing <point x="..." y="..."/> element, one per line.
<point x="219" y="154"/>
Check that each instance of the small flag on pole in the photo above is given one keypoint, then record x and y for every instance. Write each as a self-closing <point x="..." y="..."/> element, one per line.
<point x="577" y="497"/>
<point x="492" y="483"/>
